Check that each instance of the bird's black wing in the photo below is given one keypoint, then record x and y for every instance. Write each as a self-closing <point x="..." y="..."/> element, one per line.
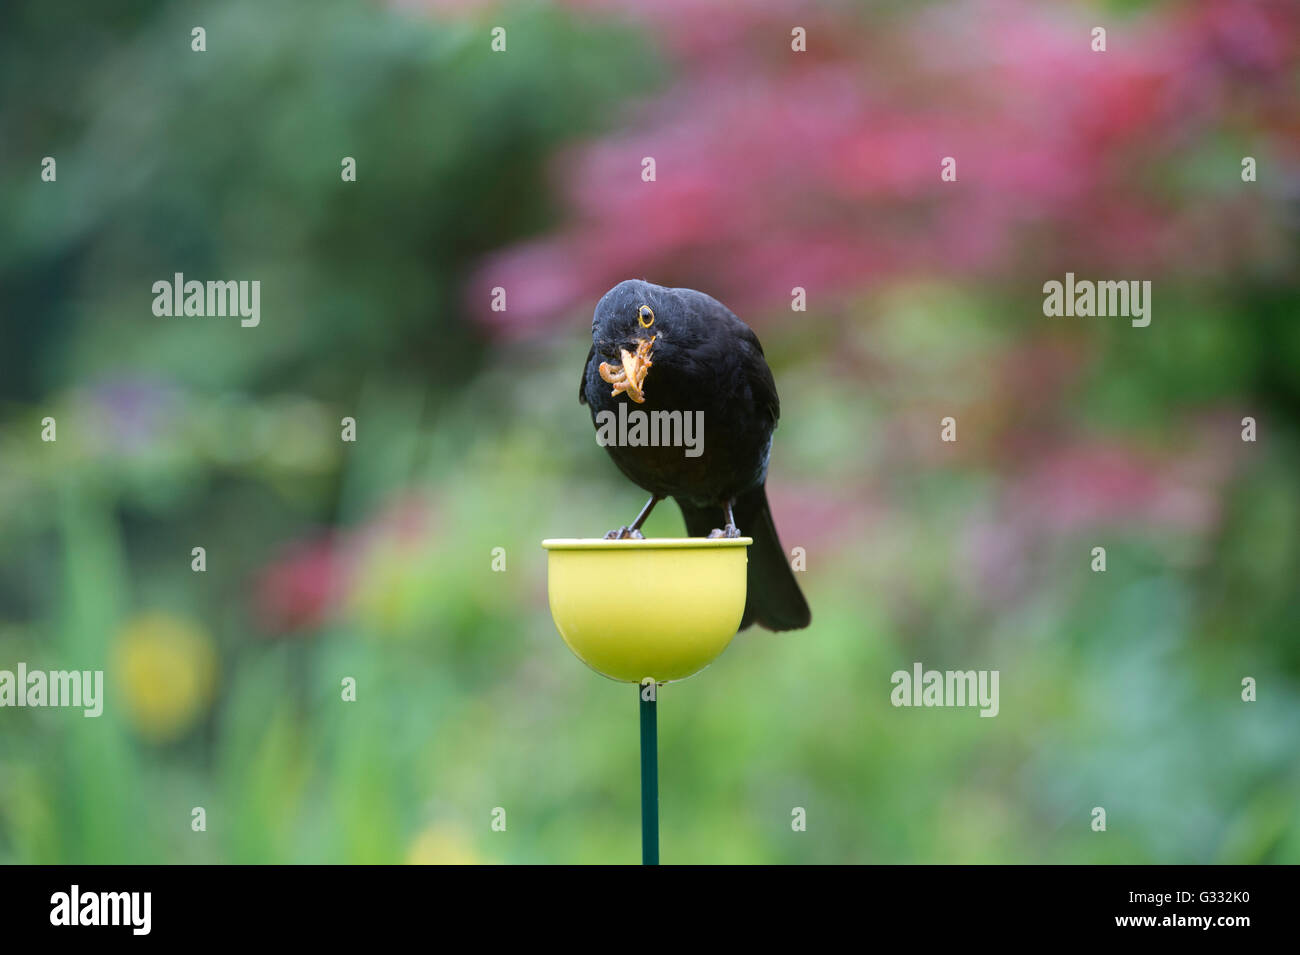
<point x="762" y="386"/>
<point x="761" y="383"/>
<point x="582" y="384"/>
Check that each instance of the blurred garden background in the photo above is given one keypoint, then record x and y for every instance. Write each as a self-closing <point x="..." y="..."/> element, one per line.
<point x="522" y="170"/>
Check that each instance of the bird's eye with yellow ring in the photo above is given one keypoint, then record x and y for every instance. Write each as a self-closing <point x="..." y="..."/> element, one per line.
<point x="646" y="316"/>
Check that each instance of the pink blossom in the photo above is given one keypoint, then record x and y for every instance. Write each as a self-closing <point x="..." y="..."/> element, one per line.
<point x="777" y="169"/>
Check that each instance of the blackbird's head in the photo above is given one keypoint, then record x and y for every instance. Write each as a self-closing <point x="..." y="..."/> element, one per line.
<point x="629" y="320"/>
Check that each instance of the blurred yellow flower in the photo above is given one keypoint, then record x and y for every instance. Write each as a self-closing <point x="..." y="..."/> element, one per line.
<point x="443" y="844"/>
<point x="166" y="669"/>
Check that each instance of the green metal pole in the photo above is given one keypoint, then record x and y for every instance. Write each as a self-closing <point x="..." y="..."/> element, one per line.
<point x="649" y="778"/>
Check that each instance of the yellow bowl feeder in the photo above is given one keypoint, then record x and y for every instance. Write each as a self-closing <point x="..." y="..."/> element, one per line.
<point x="647" y="611"/>
<point x="659" y="609"/>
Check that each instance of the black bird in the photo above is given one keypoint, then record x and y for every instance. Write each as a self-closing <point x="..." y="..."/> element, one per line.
<point x="679" y="350"/>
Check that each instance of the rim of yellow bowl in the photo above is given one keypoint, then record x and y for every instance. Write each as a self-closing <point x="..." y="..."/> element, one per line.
<point x="647" y="543"/>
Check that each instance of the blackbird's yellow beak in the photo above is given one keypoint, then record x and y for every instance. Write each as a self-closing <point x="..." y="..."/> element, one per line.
<point x="630" y="375"/>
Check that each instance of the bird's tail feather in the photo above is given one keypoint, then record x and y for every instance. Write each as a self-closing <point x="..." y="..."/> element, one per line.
<point x="774" y="599"/>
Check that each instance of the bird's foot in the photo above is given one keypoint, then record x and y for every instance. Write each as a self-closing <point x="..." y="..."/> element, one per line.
<point x="625" y="534"/>
<point x="731" y="530"/>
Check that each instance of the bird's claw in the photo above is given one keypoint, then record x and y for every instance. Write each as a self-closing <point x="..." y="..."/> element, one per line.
<point x="731" y="530"/>
<point x="625" y="534"/>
